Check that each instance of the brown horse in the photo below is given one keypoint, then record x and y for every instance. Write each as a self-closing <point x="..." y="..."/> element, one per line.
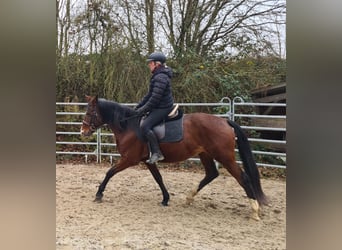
<point x="208" y="136"/>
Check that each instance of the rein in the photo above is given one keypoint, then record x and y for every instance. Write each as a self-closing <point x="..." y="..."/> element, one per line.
<point x="130" y="117"/>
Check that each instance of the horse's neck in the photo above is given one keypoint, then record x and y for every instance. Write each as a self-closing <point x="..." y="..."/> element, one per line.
<point x="108" y="111"/>
<point x="115" y="116"/>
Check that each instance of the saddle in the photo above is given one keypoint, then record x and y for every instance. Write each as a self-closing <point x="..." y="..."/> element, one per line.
<point x="174" y="112"/>
<point x="169" y="130"/>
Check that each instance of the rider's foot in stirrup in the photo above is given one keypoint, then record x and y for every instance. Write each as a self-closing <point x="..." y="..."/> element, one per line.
<point x="155" y="157"/>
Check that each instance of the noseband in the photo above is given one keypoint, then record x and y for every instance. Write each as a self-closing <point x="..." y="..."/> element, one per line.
<point x="93" y="118"/>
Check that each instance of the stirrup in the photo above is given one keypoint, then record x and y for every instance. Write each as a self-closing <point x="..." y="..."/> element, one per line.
<point x="154" y="158"/>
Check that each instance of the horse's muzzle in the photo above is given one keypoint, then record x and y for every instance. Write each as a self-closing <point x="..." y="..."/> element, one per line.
<point x="86" y="132"/>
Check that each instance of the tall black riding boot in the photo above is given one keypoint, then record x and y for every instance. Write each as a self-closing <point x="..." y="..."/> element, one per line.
<point x="154" y="147"/>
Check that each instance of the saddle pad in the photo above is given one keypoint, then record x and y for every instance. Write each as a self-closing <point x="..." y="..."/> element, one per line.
<point x="170" y="131"/>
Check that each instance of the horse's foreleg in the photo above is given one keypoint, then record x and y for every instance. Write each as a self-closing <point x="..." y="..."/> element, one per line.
<point x="121" y="165"/>
<point x="158" y="178"/>
<point x="210" y="174"/>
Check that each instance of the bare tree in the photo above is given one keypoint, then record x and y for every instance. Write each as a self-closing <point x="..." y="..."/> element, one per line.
<point x="149" y="11"/>
<point x="208" y="26"/>
<point x="198" y="26"/>
<point x="63" y="22"/>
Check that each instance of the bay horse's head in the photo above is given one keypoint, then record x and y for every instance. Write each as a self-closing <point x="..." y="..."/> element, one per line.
<point x="92" y="119"/>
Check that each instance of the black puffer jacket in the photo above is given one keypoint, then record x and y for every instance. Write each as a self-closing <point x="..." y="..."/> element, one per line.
<point x="160" y="92"/>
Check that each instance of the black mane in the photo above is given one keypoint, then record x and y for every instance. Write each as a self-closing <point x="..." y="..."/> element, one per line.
<point x="115" y="113"/>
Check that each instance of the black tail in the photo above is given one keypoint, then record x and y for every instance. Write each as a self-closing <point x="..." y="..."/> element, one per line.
<point x="249" y="164"/>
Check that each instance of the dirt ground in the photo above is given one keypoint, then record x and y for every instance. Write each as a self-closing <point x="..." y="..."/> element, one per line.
<point x="131" y="217"/>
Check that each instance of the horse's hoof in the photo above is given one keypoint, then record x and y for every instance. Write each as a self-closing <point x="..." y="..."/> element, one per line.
<point x="255" y="210"/>
<point x="189" y="200"/>
<point x="164" y="203"/>
<point x="255" y="216"/>
<point x="98" y="199"/>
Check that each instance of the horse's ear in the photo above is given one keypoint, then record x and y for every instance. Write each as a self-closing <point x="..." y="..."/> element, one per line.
<point x="88" y="98"/>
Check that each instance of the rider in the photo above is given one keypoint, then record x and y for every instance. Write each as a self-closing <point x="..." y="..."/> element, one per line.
<point x="158" y="102"/>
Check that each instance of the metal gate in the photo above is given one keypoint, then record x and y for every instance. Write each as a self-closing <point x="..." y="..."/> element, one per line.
<point x="268" y="152"/>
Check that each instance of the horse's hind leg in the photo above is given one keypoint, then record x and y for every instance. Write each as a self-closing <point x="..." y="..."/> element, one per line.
<point x="210" y="174"/>
<point x="244" y="182"/>
<point x="158" y="178"/>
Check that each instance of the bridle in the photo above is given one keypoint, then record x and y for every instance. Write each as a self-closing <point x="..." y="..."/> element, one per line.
<point x="93" y="118"/>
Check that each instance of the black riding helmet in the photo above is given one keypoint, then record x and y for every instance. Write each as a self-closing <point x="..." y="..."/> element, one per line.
<point x="157" y="56"/>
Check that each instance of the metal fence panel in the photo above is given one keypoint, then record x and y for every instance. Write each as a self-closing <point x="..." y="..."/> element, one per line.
<point x="69" y="116"/>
